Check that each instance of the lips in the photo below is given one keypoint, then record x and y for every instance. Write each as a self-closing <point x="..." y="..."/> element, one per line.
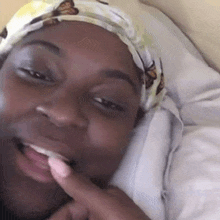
<point x="45" y="152"/>
<point x="33" y="161"/>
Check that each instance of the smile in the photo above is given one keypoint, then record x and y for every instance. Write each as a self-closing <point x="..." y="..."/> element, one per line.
<point x="33" y="161"/>
<point x="46" y="152"/>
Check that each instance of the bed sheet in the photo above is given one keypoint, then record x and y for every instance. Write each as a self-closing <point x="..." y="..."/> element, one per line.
<point x="181" y="172"/>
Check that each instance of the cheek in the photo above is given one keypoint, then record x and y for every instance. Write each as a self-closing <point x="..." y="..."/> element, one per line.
<point x="111" y="135"/>
<point x="108" y="138"/>
<point x="15" y="96"/>
<point x="19" y="98"/>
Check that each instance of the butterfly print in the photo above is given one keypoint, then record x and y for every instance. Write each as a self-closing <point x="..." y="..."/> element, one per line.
<point x="65" y="8"/>
<point x="150" y="75"/>
<point x="4" y="33"/>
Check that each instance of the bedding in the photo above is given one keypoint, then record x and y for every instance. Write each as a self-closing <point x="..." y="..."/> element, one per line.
<point x="191" y="180"/>
<point x="173" y="157"/>
<point x="199" y="20"/>
<point x="8" y="9"/>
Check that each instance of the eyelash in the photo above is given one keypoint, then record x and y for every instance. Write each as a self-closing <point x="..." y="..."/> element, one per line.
<point x="109" y="105"/>
<point x="36" y="75"/>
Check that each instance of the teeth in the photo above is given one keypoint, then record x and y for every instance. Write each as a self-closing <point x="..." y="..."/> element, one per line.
<point x="47" y="152"/>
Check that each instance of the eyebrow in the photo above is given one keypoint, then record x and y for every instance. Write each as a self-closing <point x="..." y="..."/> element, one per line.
<point x="109" y="73"/>
<point x="117" y="74"/>
<point x="49" y="46"/>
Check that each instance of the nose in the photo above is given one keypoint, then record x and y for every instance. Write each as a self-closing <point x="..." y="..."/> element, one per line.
<point x="63" y="109"/>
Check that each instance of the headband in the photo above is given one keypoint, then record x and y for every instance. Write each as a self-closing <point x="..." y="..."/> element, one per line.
<point x="41" y="13"/>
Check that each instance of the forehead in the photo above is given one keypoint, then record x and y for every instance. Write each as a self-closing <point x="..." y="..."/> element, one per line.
<point x="75" y="35"/>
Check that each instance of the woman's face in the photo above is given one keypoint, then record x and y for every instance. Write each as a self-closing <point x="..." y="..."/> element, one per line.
<point x="71" y="89"/>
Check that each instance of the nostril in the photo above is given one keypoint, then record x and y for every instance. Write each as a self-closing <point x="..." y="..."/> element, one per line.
<point x="62" y="115"/>
<point x="42" y="111"/>
<point x="72" y="163"/>
<point x="45" y="115"/>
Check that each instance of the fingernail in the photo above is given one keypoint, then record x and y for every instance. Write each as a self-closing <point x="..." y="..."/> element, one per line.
<point x="60" y="167"/>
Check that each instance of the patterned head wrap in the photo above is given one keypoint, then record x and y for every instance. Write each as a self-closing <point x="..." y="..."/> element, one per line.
<point x="40" y="13"/>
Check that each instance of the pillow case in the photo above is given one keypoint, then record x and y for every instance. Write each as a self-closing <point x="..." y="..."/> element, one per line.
<point x="160" y="170"/>
<point x="199" y="20"/>
<point x="191" y="180"/>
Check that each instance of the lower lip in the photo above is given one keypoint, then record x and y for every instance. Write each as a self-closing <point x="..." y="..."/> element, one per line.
<point x="34" y="165"/>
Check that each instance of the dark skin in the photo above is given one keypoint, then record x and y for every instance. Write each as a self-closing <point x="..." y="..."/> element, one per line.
<point x="77" y="95"/>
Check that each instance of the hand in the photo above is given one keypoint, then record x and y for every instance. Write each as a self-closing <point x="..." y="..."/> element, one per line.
<point x="91" y="202"/>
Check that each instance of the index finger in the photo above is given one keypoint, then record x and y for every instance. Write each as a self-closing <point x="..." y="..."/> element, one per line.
<point x="75" y="185"/>
<point x="70" y="211"/>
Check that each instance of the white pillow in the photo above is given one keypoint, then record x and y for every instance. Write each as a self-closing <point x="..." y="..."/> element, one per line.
<point x="190" y="175"/>
<point x="8" y="9"/>
<point x="199" y="20"/>
<point x="187" y="178"/>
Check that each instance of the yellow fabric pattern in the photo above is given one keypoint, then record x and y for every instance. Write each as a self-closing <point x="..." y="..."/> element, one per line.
<point x="41" y="13"/>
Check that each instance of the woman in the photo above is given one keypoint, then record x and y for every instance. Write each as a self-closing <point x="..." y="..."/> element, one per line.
<point x="76" y="81"/>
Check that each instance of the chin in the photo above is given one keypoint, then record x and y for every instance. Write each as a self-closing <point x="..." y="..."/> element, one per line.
<point x="39" y="208"/>
<point x="26" y="199"/>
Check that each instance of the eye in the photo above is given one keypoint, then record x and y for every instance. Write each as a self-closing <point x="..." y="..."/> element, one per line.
<point x="36" y="74"/>
<point x="109" y="104"/>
